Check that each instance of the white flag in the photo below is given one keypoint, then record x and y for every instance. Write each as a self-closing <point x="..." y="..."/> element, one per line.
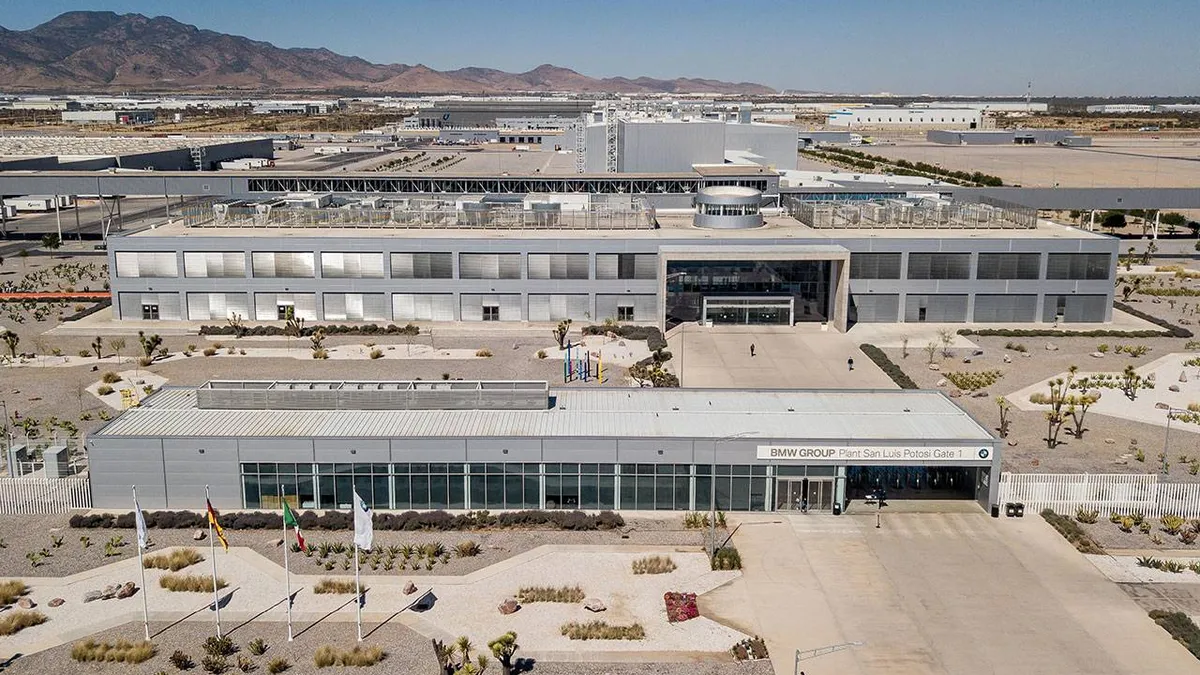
<point x="364" y="529"/>
<point x="141" y="524"/>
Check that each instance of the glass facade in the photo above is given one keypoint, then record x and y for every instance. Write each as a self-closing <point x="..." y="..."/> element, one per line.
<point x="690" y="281"/>
<point x="504" y="485"/>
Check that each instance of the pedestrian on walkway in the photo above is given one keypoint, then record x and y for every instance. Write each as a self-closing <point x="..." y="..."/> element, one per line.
<point x="752" y="349"/>
<point x="850" y="362"/>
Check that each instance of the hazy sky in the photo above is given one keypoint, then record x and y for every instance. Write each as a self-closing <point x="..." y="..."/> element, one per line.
<point x="1099" y="47"/>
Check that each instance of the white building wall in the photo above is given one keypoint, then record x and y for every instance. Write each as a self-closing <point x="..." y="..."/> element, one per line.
<point x="945" y="118"/>
<point x="774" y="143"/>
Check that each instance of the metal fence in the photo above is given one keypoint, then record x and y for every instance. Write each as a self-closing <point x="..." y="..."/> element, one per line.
<point x="37" y="495"/>
<point x="1123" y="493"/>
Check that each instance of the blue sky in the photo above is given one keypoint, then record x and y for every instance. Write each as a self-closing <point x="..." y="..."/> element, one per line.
<point x="1099" y="47"/>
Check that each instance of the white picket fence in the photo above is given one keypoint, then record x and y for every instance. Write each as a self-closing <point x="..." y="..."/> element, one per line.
<point x="37" y="495"/>
<point x="1106" y="492"/>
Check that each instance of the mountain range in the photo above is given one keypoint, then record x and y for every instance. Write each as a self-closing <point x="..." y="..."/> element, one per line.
<point x="105" y="51"/>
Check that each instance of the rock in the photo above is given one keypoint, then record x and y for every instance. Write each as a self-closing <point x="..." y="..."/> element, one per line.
<point x="977" y="352"/>
<point x="1110" y="441"/>
<point x="942" y="382"/>
<point x="410" y="588"/>
<point x="1173" y="387"/>
<point x="110" y="592"/>
<point x="127" y="590"/>
<point x="954" y="393"/>
<point x="92" y="596"/>
<point x="979" y="394"/>
<point x="966" y="359"/>
<point x="1012" y="444"/>
<point x="1007" y="358"/>
<point x="509" y="606"/>
<point x="1161" y="406"/>
<point x="199" y="535"/>
<point x="1028" y="355"/>
<point x="26" y="603"/>
<point x="1051" y="347"/>
<point x="56" y="602"/>
<point x="1150" y="377"/>
<point x="934" y="366"/>
<point x="1096" y="355"/>
<point x="1182" y="376"/>
<point x="594" y="605"/>
<point x="276" y="542"/>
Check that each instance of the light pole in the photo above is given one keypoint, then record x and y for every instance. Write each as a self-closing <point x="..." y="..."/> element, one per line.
<point x="712" y="495"/>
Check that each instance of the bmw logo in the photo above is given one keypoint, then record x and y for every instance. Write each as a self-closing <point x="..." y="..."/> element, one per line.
<point x="984" y="453"/>
<point x="445" y="116"/>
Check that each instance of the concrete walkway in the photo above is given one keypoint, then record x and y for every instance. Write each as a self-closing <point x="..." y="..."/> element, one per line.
<point x="940" y="594"/>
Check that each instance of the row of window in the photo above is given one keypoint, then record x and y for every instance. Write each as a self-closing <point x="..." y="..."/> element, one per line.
<point x="676" y="487"/>
<point x="1008" y="266"/>
<point x="338" y="265"/>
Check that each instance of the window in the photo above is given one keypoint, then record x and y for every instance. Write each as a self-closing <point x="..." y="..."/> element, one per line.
<point x="352" y="265"/>
<point x="558" y="266"/>
<point x="214" y="264"/>
<point x="491" y="312"/>
<point x="285" y="312"/>
<point x="624" y="312"/>
<point x="939" y="265"/>
<point x="422" y="266"/>
<point x="875" y="266"/>
<point x="152" y="264"/>
<point x="626" y="266"/>
<point x="489" y="265"/>
<point x="150" y="312"/>
<point x="655" y="486"/>
<point x="283" y="264"/>
<point x="1078" y="266"/>
<point x="1009" y="266"/>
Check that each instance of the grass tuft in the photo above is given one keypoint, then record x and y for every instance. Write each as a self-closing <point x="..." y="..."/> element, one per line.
<point x="190" y="583"/>
<point x="550" y="594"/>
<point x="655" y="564"/>
<point x="14" y="622"/>
<point x="174" y="561"/>
<point x="599" y="630"/>
<point x="122" y="651"/>
<point x="334" y="586"/>
<point x="327" y="656"/>
<point x="11" y="590"/>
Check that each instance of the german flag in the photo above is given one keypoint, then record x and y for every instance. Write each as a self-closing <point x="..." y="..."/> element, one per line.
<point x="212" y="521"/>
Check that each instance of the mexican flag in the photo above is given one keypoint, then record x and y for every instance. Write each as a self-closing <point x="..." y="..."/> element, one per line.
<point x="290" y="520"/>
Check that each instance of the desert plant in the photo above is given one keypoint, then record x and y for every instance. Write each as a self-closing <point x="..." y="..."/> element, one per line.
<point x="1172" y="524"/>
<point x="327" y="655"/>
<point x="541" y="353"/>
<point x="561" y="331"/>
<point x="279" y="665"/>
<point x="1072" y="532"/>
<point x="600" y="630"/>
<point x="727" y="558"/>
<point x="117" y="344"/>
<point x="971" y="381"/>
<point x="110" y="378"/>
<point x="320" y="354"/>
<point x="173" y="561"/>
<point x="655" y="564"/>
<point x="246" y="664"/>
<point x="181" y="660"/>
<point x="97" y="347"/>
<point x="1145" y="527"/>
<point x="219" y="646"/>
<point x="257" y="646"/>
<point x="11" y="590"/>
<point x="209" y="351"/>
<point x="1085" y="516"/>
<point x="190" y="583"/>
<point x="376" y="353"/>
<point x="467" y="549"/>
<point x="214" y="664"/>
<point x="550" y="594"/>
<point x="149" y="343"/>
<point x="104" y="390"/>
<point x="1005" y="408"/>
<point x="484" y="353"/>
<point x="930" y="349"/>
<point x="15" y="621"/>
<point x="121" y="651"/>
<point x="334" y="586"/>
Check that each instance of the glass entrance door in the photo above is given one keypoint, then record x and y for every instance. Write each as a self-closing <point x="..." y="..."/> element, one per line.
<point x="804" y="494"/>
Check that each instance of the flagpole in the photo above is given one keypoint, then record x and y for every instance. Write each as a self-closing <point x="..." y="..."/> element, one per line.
<point x="287" y="574"/>
<point x="142" y="567"/>
<point x="212" y="554"/>
<point x="358" y="590"/>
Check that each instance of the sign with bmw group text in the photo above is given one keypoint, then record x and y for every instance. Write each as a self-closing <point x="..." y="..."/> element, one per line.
<point x="876" y="454"/>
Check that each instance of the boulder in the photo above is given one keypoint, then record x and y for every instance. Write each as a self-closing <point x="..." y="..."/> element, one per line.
<point x="26" y="603"/>
<point x="1110" y="441"/>
<point x="127" y="590"/>
<point x="594" y="605"/>
<point x="110" y="592"/>
<point x="1051" y="347"/>
<point x="1028" y="355"/>
<point x="1173" y="387"/>
<point x="410" y="588"/>
<point x="1150" y="377"/>
<point x="1007" y="358"/>
<point x="942" y="382"/>
<point x="954" y="393"/>
<point x="92" y="596"/>
<point x="199" y="535"/>
<point x="979" y="394"/>
<point x="509" y="606"/>
<point x="977" y="352"/>
<point x="1012" y="444"/>
<point x="1161" y="406"/>
<point x="934" y="366"/>
<point x="966" y="359"/>
<point x="56" y="602"/>
<point x="1096" y="355"/>
<point x="1182" y="376"/>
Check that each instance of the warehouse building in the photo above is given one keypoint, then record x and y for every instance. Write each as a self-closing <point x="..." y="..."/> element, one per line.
<point x="454" y="114"/>
<point x="83" y="153"/>
<point x="730" y="258"/>
<point x="657" y="145"/>
<point x="521" y="445"/>
<point x="886" y="117"/>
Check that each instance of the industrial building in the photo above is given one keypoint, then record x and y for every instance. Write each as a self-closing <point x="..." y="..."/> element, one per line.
<point x="470" y="114"/>
<point x="108" y="116"/>
<point x="888" y="117"/>
<point x="79" y="153"/>
<point x="657" y="145"/>
<point x="1007" y="137"/>
<point x="521" y="445"/>
<point x="733" y="255"/>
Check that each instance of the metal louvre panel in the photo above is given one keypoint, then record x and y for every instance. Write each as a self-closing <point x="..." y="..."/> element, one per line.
<point x="875" y="266"/>
<point x="214" y="264"/>
<point x="306" y="305"/>
<point x="1005" y="308"/>
<point x="289" y="264"/>
<point x="402" y="266"/>
<point x="577" y="306"/>
<point x="606" y="266"/>
<point x="374" y="307"/>
<point x="168" y="305"/>
<point x="943" y="308"/>
<point x="352" y="265"/>
<point x="201" y="306"/>
<point x="335" y="306"/>
<point x="262" y="264"/>
<point x="442" y="307"/>
<point x="422" y="266"/>
<point x="576" y="266"/>
<point x="404" y="306"/>
<point x="130" y="305"/>
<point x="265" y="307"/>
<point x="872" y="308"/>
<point x="476" y="265"/>
<point x="441" y="265"/>
<point x="198" y="306"/>
<point x="645" y="266"/>
<point x="1008" y="266"/>
<point x="509" y="266"/>
<point x="510" y="307"/>
<point x="471" y="307"/>
<point x="149" y="264"/>
<point x="939" y="265"/>
<point x="645" y="307"/>
<point x="127" y="264"/>
<point x="540" y="266"/>
<point x="539" y="307"/>
<point x="1078" y="266"/>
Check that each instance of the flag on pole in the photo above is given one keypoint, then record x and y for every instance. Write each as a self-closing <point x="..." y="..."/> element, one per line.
<point x="364" y="530"/>
<point x="290" y="520"/>
<point x="212" y="520"/>
<point x="141" y="524"/>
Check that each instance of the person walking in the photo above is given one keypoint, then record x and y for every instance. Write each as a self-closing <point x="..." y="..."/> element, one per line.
<point x="850" y="362"/>
<point x="752" y="350"/>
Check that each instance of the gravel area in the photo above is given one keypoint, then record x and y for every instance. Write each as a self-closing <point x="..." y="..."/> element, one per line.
<point x="1125" y="570"/>
<point x="23" y="534"/>
<point x="1110" y="536"/>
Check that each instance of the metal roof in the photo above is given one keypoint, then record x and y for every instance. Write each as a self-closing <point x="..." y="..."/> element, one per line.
<point x="834" y="415"/>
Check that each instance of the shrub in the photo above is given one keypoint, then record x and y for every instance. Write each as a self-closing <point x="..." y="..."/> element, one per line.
<point x="599" y="630"/>
<point x="1085" y="516"/>
<point x="257" y="647"/>
<point x="174" y="561"/>
<point x="484" y="353"/>
<point x="110" y="378"/>
<point x="327" y="656"/>
<point x="181" y="660"/>
<point x="1072" y="532"/>
<point x="655" y="564"/>
<point x="971" y="381"/>
<point x="11" y="590"/>
<point x="334" y="586"/>
<point x="727" y="558"/>
<point x="122" y="651"/>
<point x="888" y="366"/>
<point x="145" y="361"/>
<point x="18" y="620"/>
<point x="1181" y="627"/>
<point x="278" y="665"/>
<point x="214" y="664"/>
<point x="104" y="390"/>
<point x="651" y="334"/>
<point x="190" y="583"/>
<point x="83" y="353"/>
<point x="219" y="646"/>
<point x="541" y="353"/>
<point x="334" y="520"/>
<point x="1016" y="347"/>
<point x="550" y="594"/>
<point x="209" y="351"/>
<point x="467" y="549"/>
<point x="320" y="354"/>
<point x="754" y="648"/>
<point x="376" y="353"/>
<point x="1172" y="524"/>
